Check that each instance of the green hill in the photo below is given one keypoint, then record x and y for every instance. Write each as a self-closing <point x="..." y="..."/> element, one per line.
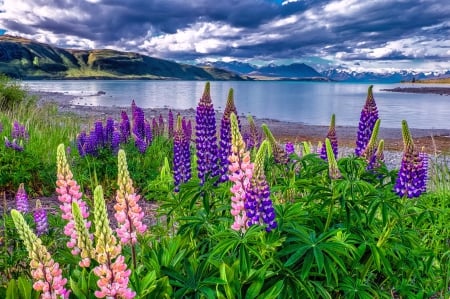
<point x="27" y="59"/>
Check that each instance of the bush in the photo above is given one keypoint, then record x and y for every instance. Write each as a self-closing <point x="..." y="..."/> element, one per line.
<point x="11" y="93"/>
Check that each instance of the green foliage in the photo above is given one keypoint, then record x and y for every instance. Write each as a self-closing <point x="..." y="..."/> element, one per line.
<point x="11" y="94"/>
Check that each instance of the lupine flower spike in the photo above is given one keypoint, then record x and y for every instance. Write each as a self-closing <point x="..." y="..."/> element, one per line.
<point x="112" y="270"/>
<point x="225" y="136"/>
<point x="370" y="152"/>
<point x="279" y="154"/>
<point x="22" y="200"/>
<point x="68" y="192"/>
<point x="240" y="173"/>
<point x="411" y="180"/>
<point x="206" y="140"/>
<point x="289" y="148"/>
<point x="40" y="219"/>
<point x="181" y="157"/>
<point x="128" y="213"/>
<point x="369" y="115"/>
<point x="331" y="135"/>
<point x="307" y="148"/>
<point x="171" y="123"/>
<point x="45" y="272"/>
<point x="258" y="205"/>
<point x="84" y="241"/>
<point x="253" y="136"/>
<point x="333" y="169"/>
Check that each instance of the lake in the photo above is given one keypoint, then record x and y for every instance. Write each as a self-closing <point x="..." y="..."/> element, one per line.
<point x="305" y="102"/>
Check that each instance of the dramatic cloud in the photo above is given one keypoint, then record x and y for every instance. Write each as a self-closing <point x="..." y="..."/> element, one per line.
<point x="372" y="34"/>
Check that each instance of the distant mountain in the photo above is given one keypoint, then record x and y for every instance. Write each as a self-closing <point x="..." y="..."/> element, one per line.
<point x="27" y="59"/>
<point x="295" y="71"/>
<point x="387" y="77"/>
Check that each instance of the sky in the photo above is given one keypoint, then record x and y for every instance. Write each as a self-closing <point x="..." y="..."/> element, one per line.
<point x="360" y="35"/>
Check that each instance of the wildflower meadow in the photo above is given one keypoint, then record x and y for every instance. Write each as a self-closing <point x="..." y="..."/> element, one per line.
<point x="239" y="213"/>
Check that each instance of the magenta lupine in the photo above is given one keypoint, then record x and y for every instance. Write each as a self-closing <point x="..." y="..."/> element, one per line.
<point x="331" y="135"/>
<point x="411" y="180"/>
<point x="128" y="214"/>
<point x="68" y="192"/>
<point x="181" y="156"/>
<point x="258" y="205"/>
<point x="40" y="219"/>
<point x="124" y="127"/>
<point x="112" y="271"/>
<point x="171" y="123"/>
<point x="206" y="140"/>
<point x="240" y="174"/>
<point x="21" y="197"/>
<point x="225" y="137"/>
<point x="369" y="115"/>
<point x="45" y="272"/>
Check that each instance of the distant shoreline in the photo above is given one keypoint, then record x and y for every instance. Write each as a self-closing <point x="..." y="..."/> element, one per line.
<point x="424" y="90"/>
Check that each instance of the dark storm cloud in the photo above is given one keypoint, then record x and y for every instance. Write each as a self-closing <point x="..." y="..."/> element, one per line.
<point x="180" y="29"/>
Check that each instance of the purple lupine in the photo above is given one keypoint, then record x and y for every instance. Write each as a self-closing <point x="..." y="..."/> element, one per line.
<point x="225" y="137"/>
<point x="115" y="141"/>
<point x="141" y="145"/>
<point x="40" y="219"/>
<point x="125" y="127"/>
<point x="99" y="134"/>
<point x="19" y="131"/>
<point x="81" y="143"/>
<point x="148" y="133"/>
<point x="279" y="154"/>
<point x="181" y="157"/>
<point x="206" y="142"/>
<point x="14" y="145"/>
<point x="258" y="205"/>
<point x="160" y="125"/>
<point x="369" y="115"/>
<point x="170" y="132"/>
<point x="412" y="176"/>
<point x="253" y="136"/>
<point x="139" y="130"/>
<point x="331" y="135"/>
<point x="187" y="128"/>
<point x="155" y="129"/>
<point x="133" y="109"/>
<point x="22" y="200"/>
<point x="289" y="148"/>
<point x="109" y="129"/>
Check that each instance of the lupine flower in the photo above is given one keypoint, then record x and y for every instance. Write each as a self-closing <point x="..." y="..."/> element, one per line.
<point x="240" y="173"/>
<point x="253" y="136"/>
<point x="40" y="219"/>
<point x="22" y="200"/>
<point x="133" y="109"/>
<point x="45" y="272"/>
<point x="331" y="135"/>
<point x="84" y="241"/>
<point x="14" y="144"/>
<point x="225" y="137"/>
<point x="81" y="143"/>
<point x="125" y="127"/>
<point x="289" y="148"/>
<point x="333" y="170"/>
<point x="206" y="142"/>
<point x="171" y="120"/>
<point x="99" y="134"/>
<point x="411" y="180"/>
<point x="279" y="154"/>
<point x="369" y="115"/>
<point x="115" y="142"/>
<point x="109" y="130"/>
<point x="155" y="127"/>
<point x="370" y="152"/>
<point x="19" y="131"/>
<point x="258" y="205"/>
<point x="128" y="213"/>
<point x="160" y="125"/>
<point x="148" y="133"/>
<point x="68" y="192"/>
<point x="181" y="157"/>
<point x="306" y="148"/>
<point x="187" y="128"/>
<point x="139" y="129"/>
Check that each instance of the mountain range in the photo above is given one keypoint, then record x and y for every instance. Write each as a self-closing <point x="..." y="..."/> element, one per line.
<point x="27" y="59"/>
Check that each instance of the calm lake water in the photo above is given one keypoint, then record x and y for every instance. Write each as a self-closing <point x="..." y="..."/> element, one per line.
<point x="306" y="102"/>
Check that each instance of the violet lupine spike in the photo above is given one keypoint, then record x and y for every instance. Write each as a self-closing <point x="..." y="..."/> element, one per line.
<point x="331" y="135"/>
<point x="253" y="137"/>
<point x="187" y="128"/>
<point x="148" y="133"/>
<point x="370" y="152"/>
<point x="258" y="205"/>
<point x="81" y="143"/>
<point x="139" y="130"/>
<point x="170" y="129"/>
<point x="108" y="132"/>
<point x="411" y="180"/>
<point x="99" y="134"/>
<point x="115" y="141"/>
<point x="160" y="125"/>
<point x="289" y="148"/>
<point x="179" y="163"/>
<point x="40" y="219"/>
<point x="125" y="127"/>
<point x="19" y="131"/>
<point x="206" y="140"/>
<point x="21" y="197"/>
<point x="225" y="137"/>
<point x="369" y="115"/>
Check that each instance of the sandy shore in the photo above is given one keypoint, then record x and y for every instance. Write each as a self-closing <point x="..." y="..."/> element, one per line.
<point x="432" y="140"/>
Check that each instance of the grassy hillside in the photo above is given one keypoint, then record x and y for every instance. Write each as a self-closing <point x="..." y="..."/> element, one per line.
<point x="27" y="59"/>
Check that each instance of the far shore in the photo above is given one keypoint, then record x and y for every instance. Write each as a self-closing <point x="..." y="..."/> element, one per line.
<point x="431" y="140"/>
<point x="433" y="90"/>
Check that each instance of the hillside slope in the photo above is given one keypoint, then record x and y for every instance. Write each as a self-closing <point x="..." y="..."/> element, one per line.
<point x="26" y="59"/>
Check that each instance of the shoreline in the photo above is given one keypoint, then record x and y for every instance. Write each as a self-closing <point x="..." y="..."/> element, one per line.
<point x="431" y="140"/>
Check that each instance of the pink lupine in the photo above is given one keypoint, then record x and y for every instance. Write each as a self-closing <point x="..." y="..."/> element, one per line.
<point x="113" y="280"/>
<point x="68" y="192"/>
<point x="128" y="212"/>
<point x="240" y="173"/>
